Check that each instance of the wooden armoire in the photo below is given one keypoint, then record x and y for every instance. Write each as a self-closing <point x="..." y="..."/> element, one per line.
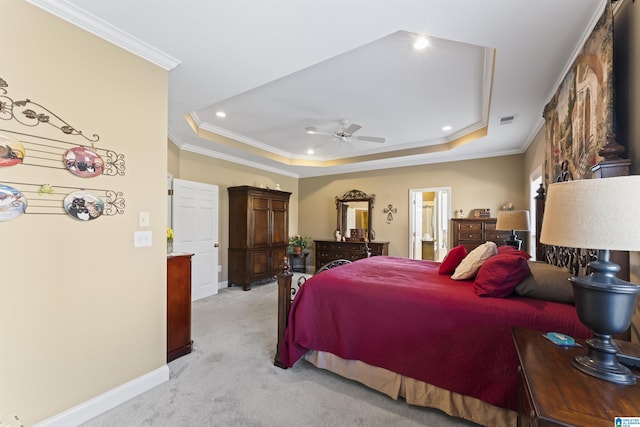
<point x="258" y="233"/>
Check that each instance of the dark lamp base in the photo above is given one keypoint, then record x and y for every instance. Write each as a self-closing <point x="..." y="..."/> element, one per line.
<point x="605" y="305"/>
<point x="513" y="241"/>
<point x="601" y="362"/>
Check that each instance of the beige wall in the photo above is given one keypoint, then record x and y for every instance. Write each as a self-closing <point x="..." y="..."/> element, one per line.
<point x="208" y="170"/>
<point x="173" y="159"/>
<point x="483" y="183"/>
<point x="81" y="310"/>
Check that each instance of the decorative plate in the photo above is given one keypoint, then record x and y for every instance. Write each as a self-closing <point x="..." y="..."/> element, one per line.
<point x="83" y="206"/>
<point x="12" y="203"/>
<point x="12" y="151"/>
<point x="84" y="162"/>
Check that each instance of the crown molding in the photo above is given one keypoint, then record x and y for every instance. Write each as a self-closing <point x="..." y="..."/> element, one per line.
<point x="182" y="145"/>
<point x="94" y="25"/>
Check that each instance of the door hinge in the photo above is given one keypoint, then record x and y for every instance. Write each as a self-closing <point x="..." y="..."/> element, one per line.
<point x="170" y="191"/>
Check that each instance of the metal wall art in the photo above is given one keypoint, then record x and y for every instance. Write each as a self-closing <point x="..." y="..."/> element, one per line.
<point x="29" y="113"/>
<point x="390" y="210"/>
<point x="84" y="161"/>
<point x="84" y="204"/>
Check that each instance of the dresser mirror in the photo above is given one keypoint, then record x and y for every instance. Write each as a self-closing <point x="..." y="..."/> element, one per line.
<point x="354" y="216"/>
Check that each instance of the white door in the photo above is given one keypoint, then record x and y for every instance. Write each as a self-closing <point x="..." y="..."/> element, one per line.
<point x="416" y="233"/>
<point x="195" y="226"/>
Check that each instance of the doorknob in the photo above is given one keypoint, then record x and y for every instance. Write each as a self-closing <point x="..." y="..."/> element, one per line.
<point x="215" y="245"/>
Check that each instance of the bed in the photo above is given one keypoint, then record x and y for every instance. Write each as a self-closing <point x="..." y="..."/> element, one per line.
<point x="400" y="327"/>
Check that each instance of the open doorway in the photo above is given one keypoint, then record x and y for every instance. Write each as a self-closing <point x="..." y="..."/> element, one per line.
<point x="535" y="179"/>
<point x="429" y="222"/>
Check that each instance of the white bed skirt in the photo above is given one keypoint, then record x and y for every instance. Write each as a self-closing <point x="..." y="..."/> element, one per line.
<point x="415" y="392"/>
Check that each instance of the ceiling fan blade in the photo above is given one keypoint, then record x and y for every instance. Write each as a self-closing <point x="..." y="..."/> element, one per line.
<point x="351" y="129"/>
<point x="314" y="131"/>
<point x="370" y="138"/>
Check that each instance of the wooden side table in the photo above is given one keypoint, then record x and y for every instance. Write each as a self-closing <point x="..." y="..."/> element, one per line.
<point x="554" y="393"/>
<point x="179" y="340"/>
<point x="298" y="262"/>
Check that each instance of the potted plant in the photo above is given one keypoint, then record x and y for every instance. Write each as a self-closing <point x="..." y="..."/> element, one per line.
<point x="298" y="243"/>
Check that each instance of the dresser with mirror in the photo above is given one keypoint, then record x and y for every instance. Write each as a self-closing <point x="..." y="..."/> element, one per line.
<point x="355" y="237"/>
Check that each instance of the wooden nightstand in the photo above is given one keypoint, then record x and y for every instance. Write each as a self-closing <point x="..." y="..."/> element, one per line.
<point x="298" y="262"/>
<point x="554" y="393"/>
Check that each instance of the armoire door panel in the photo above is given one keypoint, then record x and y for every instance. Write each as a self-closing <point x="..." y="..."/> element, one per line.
<point x="280" y="226"/>
<point x="259" y="263"/>
<point x="260" y="226"/>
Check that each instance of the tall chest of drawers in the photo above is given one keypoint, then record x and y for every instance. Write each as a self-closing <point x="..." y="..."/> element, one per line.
<point x="472" y="232"/>
<point x="328" y="250"/>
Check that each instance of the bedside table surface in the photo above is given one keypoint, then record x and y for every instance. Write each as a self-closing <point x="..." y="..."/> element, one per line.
<point x="561" y="394"/>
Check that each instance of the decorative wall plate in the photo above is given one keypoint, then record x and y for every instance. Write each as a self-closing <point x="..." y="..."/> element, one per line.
<point x="83" y="206"/>
<point x="12" y="203"/>
<point x="84" y="162"/>
<point x="12" y="151"/>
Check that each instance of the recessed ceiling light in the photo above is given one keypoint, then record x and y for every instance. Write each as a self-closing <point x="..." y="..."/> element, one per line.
<point x="447" y="128"/>
<point x="310" y="130"/>
<point x="421" y="43"/>
<point x="310" y="151"/>
<point x="221" y="114"/>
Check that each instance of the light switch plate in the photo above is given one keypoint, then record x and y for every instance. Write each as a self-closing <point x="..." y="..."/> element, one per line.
<point x="142" y="239"/>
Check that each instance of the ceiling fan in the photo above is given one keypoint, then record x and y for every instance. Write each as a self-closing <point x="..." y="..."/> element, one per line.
<point x="344" y="133"/>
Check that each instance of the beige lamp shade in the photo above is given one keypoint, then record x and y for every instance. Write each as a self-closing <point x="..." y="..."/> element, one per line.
<point x="599" y="213"/>
<point x="513" y="220"/>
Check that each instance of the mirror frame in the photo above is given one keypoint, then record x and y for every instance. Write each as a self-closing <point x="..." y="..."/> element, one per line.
<point x="355" y="196"/>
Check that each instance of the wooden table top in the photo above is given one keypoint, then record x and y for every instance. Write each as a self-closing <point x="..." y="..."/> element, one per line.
<point x="564" y="395"/>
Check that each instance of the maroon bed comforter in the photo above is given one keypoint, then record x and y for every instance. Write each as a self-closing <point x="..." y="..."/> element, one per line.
<point x="400" y="314"/>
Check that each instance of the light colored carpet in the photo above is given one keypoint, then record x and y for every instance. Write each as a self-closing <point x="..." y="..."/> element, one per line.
<point x="230" y="380"/>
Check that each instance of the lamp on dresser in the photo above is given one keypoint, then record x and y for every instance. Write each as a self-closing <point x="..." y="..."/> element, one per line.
<point x="513" y="221"/>
<point x="600" y="214"/>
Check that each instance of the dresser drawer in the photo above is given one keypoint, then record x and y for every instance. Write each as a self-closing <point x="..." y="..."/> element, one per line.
<point x="350" y="247"/>
<point x="470" y="236"/>
<point x="326" y="257"/>
<point x="469" y="227"/>
<point x="489" y="226"/>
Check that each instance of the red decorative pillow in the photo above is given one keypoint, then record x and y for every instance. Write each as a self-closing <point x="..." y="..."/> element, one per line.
<point x="500" y="274"/>
<point x="453" y="258"/>
<point x="508" y="249"/>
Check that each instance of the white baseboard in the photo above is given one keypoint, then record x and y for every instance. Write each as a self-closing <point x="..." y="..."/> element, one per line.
<point x="222" y="285"/>
<point x="112" y="398"/>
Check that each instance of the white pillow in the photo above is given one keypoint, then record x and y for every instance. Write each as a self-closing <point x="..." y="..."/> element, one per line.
<point x="470" y="265"/>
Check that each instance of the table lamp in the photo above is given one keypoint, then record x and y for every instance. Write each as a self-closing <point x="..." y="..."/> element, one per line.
<point x="513" y="221"/>
<point x="600" y="214"/>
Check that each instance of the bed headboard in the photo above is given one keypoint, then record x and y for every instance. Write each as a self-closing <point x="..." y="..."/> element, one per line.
<point x="575" y="259"/>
